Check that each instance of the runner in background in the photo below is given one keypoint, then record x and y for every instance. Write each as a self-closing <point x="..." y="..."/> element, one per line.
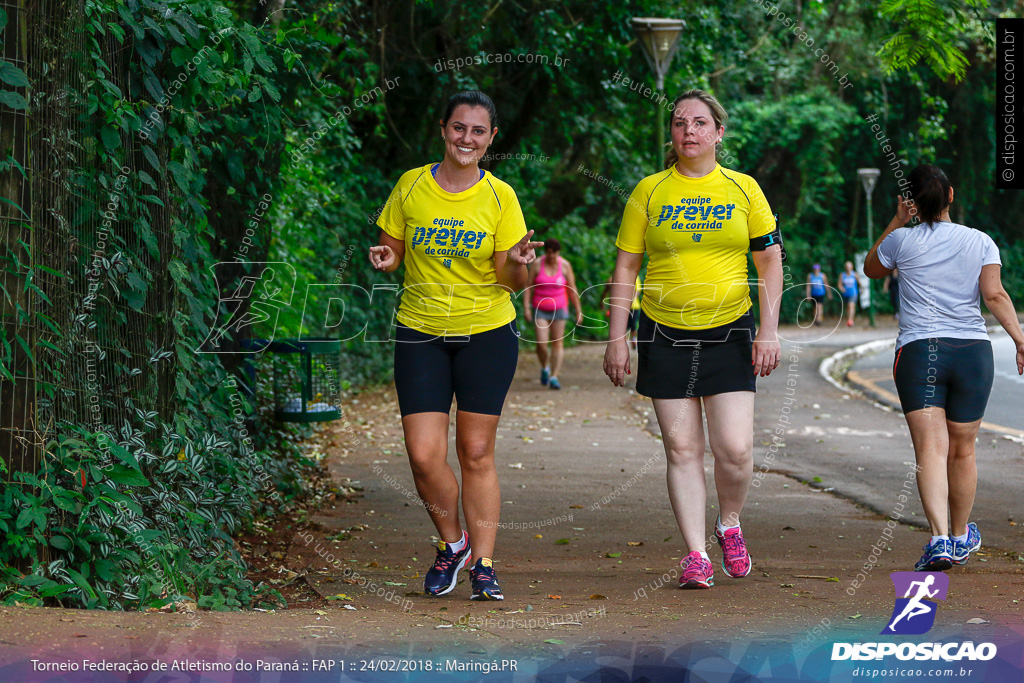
<point x="943" y="365"/>
<point x="550" y="286"/>
<point x="849" y="289"/>
<point x="461" y="234"/>
<point x="818" y="289"/>
<point x="698" y="346"/>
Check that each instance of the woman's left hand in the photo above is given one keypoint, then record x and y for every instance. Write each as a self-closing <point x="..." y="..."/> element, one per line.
<point x="523" y="250"/>
<point x="766" y="355"/>
<point x="579" y="317"/>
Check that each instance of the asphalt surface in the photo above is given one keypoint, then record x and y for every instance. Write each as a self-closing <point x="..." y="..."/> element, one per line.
<point x="588" y="546"/>
<point x="861" y="449"/>
<point x="1005" y="403"/>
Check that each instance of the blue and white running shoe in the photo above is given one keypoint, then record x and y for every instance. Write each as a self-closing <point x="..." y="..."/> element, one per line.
<point x="938" y="557"/>
<point x="962" y="551"/>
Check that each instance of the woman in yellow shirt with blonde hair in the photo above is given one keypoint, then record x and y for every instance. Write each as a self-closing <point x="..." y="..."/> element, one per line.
<point x="461" y="234"/>
<point x="697" y="340"/>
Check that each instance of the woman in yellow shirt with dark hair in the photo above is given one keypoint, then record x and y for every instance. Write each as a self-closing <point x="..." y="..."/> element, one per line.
<point x="697" y="340"/>
<point x="461" y="234"/>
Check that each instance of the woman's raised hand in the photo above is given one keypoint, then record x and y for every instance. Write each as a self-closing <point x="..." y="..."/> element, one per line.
<point x="904" y="209"/>
<point x="523" y="250"/>
<point x="382" y="257"/>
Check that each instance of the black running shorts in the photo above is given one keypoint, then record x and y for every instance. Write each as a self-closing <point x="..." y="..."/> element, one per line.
<point x="476" y="369"/>
<point x="944" y="372"/>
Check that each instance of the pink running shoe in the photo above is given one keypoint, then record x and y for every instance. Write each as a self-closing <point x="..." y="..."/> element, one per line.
<point x="697" y="572"/>
<point x="735" y="558"/>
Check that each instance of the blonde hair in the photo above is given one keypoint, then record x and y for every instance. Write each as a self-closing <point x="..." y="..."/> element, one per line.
<point x="718" y="113"/>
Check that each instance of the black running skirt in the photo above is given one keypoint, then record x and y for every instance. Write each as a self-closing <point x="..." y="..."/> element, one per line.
<point x="680" y="363"/>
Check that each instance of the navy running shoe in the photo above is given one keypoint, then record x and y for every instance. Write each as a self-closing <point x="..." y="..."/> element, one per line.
<point x="485" y="582"/>
<point x="553" y="383"/>
<point x="962" y="551"/>
<point x="444" y="575"/>
<point x="544" y="375"/>
<point x="938" y="557"/>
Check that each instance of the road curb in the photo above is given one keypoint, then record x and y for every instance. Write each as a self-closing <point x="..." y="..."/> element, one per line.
<point x="836" y="370"/>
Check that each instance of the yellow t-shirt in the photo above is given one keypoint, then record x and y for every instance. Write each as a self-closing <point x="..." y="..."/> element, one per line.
<point x="451" y="286"/>
<point x="696" y="232"/>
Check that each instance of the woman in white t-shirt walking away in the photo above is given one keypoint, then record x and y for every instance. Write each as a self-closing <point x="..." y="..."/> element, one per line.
<point x="943" y="365"/>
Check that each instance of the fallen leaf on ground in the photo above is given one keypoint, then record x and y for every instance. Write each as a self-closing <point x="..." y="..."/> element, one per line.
<point x="538" y="536"/>
<point x="559" y="597"/>
<point x="576" y="507"/>
<point x="340" y="596"/>
<point x="977" y="620"/>
<point x="349" y="607"/>
<point x="854" y="616"/>
<point x="555" y="641"/>
<point x="634" y="543"/>
<point x="598" y="596"/>
<point x="562" y="541"/>
<point x="613" y="554"/>
<point x="320" y="612"/>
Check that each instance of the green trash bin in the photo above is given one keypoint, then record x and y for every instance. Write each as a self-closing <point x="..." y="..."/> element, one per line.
<point x="307" y="386"/>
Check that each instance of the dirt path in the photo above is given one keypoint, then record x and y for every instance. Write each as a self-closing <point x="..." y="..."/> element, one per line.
<point x="589" y="553"/>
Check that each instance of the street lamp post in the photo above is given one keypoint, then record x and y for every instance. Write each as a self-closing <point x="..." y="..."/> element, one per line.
<point x="868" y="177"/>
<point x="659" y="39"/>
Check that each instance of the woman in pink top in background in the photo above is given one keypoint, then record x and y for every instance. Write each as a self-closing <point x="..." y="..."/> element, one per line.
<point x="550" y="285"/>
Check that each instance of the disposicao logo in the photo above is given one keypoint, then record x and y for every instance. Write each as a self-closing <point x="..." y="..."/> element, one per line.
<point x="914" y="614"/>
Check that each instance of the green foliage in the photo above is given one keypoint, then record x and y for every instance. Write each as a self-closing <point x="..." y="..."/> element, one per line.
<point x="141" y="521"/>
<point x="143" y="516"/>
<point x="928" y="30"/>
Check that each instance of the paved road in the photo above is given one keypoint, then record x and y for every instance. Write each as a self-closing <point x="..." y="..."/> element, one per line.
<point x="589" y="543"/>
<point x="1004" y="406"/>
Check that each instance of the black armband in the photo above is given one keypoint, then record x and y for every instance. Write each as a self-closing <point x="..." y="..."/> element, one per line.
<point x="771" y="239"/>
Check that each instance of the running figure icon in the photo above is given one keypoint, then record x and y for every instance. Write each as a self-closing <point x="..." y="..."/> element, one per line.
<point x="915" y="607"/>
<point x="914" y="612"/>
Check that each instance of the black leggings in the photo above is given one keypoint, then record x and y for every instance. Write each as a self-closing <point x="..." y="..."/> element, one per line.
<point x="476" y="369"/>
<point x="944" y="372"/>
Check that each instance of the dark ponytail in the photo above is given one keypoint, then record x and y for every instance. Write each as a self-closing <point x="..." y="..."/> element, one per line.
<point x="929" y="188"/>
<point x="473" y="98"/>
